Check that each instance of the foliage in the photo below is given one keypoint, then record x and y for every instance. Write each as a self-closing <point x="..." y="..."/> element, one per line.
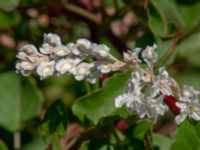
<point x="85" y="116"/>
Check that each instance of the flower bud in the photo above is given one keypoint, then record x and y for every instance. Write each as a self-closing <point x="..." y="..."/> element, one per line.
<point x="83" y="43"/>
<point x="101" y="50"/>
<point x="46" y="49"/>
<point x="52" y="39"/>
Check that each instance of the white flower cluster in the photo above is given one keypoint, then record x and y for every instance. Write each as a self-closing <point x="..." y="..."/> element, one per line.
<point x="146" y="91"/>
<point x="189" y="104"/>
<point x="83" y="59"/>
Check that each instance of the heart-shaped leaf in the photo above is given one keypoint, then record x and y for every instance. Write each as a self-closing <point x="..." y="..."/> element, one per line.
<point x="187" y="137"/>
<point x="101" y="103"/>
<point x="19" y="101"/>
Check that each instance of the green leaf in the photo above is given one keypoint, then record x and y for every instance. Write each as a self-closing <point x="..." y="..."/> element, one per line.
<point x="185" y="15"/>
<point x="101" y="103"/>
<point x="19" y="101"/>
<point x="141" y="129"/>
<point x="3" y="145"/>
<point x="189" y="48"/>
<point x="136" y="133"/>
<point x="190" y="14"/>
<point x="156" y="19"/>
<point x="162" y="142"/>
<point x="188" y="78"/>
<point x="187" y="137"/>
<point x="8" y="4"/>
<point x="162" y="47"/>
<point x="8" y="19"/>
<point x="35" y="144"/>
<point x="55" y="121"/>
<point x="171" y="11"/>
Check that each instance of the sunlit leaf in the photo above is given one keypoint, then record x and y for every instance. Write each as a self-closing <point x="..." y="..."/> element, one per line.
<point x="187" y="137"/>
<point x="17" y="103"/>
<point x="101" y="103"/>
<point x="162" y="142"/>
<point x="189" y="48"/>
<point x="141" y="128"/>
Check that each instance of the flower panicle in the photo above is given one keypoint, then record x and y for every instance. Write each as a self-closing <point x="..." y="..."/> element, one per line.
<point x="148" y="93"/>
<point x="151" y="95"/>
<point x="83" y="59"/>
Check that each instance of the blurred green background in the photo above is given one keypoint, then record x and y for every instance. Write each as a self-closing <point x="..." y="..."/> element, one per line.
<point x="121" y="24"/>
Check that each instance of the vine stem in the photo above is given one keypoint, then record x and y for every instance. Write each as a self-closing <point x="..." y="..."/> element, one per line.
<point x="148" y="139"/>
<point x="170" y="51"/>
<point x="82" y="12"/>
<point x="17" y="140"/>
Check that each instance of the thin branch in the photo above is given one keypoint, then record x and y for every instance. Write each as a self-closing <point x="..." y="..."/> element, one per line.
<point x="170" y="51"/>
<point x="82" y="12"/>
<point x="148" y="140"/>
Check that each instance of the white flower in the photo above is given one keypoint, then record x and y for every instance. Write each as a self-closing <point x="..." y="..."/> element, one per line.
<point x="137" y="75"/>
<point x="52" y="39"/>
<point x="191" y="109"/>
<point x="66" y="65"/>
<point x="163" y="83"/>
<point x="29" y="58"/>
<point x="61" y="50"/>
<point x="105" y="68"/>
<point x="134" y="103"/>
<point x="155" y="106"/>
<point x="27" y="65"/>
<point x="82" y="70"/>
<point x="94" y="75"/>
<point x="101" y="50"/>
<point x="188" y="94"/>
<point x="83" y="44"/>
<point x="136" y="81"/>
<point x="20" y="68"/>
<point x="183" y="112"/>
<point x="117" y="65"/>
<point x="45" y="69"/>
<point x="132" y="55"/>
<point x="149" y="55"/>
<point x="29" y="49"/>
<point x="73" y="48"/>
<point x="46" y="49"/>
<point x="122" y="99"/>
<point x="29" y="53"/>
